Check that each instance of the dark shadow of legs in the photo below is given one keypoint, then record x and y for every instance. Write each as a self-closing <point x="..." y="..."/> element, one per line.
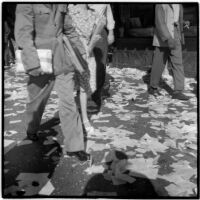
<point x="100" y="186"/>
<point x="29" y="165"/>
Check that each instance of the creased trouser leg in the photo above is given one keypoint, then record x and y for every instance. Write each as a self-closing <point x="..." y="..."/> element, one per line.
<point x="100" y="52"/>
<point x="39" y="89"/>
<point x="159" y="60"/>
<point x="70" y="119"/>
<point x="177" y="65"/>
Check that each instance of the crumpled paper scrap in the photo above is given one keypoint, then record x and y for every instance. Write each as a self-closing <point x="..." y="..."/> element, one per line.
<point x="116" y="170"/>
<point x="149" y="143"/>
<point x="95" y="169"/>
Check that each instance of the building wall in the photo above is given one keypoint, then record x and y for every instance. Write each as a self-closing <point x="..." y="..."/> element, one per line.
<point x="138" y="38"/>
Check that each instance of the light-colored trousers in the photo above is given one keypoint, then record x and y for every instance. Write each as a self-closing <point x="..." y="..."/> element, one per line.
<point x="161" y="55"/>
<point x="39" y="89"/>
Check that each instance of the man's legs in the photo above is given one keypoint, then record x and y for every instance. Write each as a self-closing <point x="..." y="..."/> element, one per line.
<point x="178" y="73"/>
<point x="177" y="67"/>
<point x="39" y="89"/>
<point x="70" y="119"/>
<point x="159" y="60"/>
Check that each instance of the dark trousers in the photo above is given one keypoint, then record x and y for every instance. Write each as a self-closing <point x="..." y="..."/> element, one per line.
<point x="9" y="53"/>
<point x="100" y="53"/>
<point x="39" y="89"/>
<point x="161" y="55"/>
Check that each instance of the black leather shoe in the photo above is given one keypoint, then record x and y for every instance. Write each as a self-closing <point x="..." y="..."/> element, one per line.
<point x="154" y="91"/>
<point x="96" y="97"/>
<point x="80" y="155"/>
<point x="32" y="137"/>
<point x="180" y="96"/>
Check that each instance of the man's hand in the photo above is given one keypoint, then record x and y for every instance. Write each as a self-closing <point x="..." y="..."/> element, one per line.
<point x="35" y="72"/>
<point x="89" y="51"/>
<point x="96" y="38"/>
<point x="84" y="56"/>
<point x="186" y="24"/>
<point x="171" y="43"/>
<point x="111" y="37"/>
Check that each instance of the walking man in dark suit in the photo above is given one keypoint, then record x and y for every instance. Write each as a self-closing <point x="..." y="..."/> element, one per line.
<point x="42" y="26"/>
<point x="168" y="38"/>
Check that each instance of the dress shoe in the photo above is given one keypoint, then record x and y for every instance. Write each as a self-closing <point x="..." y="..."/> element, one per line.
<point x="154" y="91"/>
<point x="180" y="96"/>
<point x="32" y="137"/>
<point x="80" y="155"/>
<point x="96" y="97"/>
<point x="149" y="71"/>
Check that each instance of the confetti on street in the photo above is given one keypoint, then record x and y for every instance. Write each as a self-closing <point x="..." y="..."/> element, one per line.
<point x="156" y="138"/>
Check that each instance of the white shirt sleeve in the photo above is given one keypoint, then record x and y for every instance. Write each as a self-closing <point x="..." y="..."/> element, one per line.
<point x="100" y="8"/>
<point x="110" y="20"/>
<point x="176" y="8"/>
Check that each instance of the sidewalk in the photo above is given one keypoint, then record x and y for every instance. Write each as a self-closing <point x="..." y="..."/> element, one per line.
<point x="142" y="147"/>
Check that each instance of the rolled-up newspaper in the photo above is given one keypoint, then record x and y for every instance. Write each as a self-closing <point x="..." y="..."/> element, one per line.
<point x="79" y="64"/>
<point x="75" y="55"/>
<point x="98" y="27"/>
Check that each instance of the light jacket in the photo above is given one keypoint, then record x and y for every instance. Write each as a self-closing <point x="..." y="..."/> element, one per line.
<point x="100" y="9"/>
<point x="41" y="26"/>
<point x="164" y="25"/>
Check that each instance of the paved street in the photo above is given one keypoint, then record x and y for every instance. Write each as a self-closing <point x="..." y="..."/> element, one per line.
<point x="142" y="147"/>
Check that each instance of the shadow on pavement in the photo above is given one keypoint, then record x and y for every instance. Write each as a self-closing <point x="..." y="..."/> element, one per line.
<point x="141" y="188"/>
<point x="28" y="166"/>
<point x="6" y="96"/>
<point x="162" y="84"/>
<point x="50" y="123"/>
<point x="100" y="186"/>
